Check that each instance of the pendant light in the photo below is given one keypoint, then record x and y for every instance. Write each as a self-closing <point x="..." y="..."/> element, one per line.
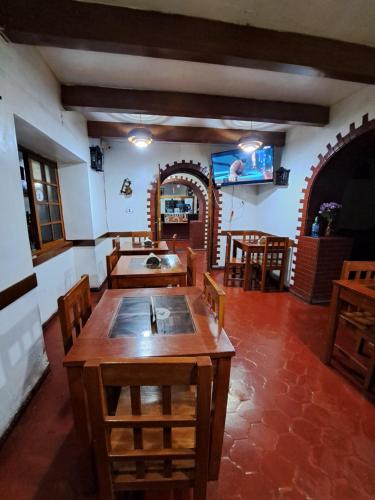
<point x="140" y="136"/>
<point x="251" y="142"/>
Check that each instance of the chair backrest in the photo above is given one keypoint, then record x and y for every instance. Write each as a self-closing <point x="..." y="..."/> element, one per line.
<point x="191" y="267"/>
<point x="253" y="236"/>
<point x="139" y="236"/>
<point x="214" y="296"/>
<point x="275" y="251"/>
<point x="74" y="310"/>
<point x="352" y="269"/>
<point x="149" y="444"/>
<point x="111" y="261"/>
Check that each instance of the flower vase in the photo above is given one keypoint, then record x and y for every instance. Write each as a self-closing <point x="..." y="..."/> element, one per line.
<point x="328" y="230"/>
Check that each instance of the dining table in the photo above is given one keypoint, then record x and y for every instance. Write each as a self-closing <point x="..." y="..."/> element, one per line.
<point x="121" y="326"/>
<point x="348" y="295"/>
<point x="249" y="249"/>
<point x="132" y="248"/>
<point x="131" y="271"/>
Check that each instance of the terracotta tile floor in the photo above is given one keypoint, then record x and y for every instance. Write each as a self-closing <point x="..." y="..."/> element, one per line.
<point x="295" y="429"/>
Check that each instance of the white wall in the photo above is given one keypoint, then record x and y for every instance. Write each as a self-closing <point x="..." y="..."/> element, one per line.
<point x="278" y="207"/>
<point x="55" y="277"/>
<point x="30" y="91"/>
<point x="140" y="166"/>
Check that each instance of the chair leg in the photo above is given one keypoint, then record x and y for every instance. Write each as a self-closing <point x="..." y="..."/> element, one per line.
<point x="226" y="276"/>
<point x="263" y="281"/>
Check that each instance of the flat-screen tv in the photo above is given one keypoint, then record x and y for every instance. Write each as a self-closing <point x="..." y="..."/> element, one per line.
<point x="239" y="167"/>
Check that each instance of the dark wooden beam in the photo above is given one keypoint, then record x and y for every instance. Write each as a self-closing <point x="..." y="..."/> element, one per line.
<point x="168" y="133"/>
<point x="109" y="100"/>
<point x="86" y="26"/>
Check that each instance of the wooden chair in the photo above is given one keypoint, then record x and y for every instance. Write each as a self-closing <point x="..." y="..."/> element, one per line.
<point x="234" y="267"/>
<point x="74" y="310"/>
<point x="191" y="267"/>
<point x="111" y="261"/>
<point x="363" y="321"/>
<point x="214" y="296"/>
<point x="272" y="261"/>
<point x="159" y="436"/>
<point x="139" y="236"/>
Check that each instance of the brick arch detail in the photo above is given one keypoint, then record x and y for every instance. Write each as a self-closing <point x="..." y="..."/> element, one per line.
<point x="342" y="141"/>
<point x="201" y="173"/>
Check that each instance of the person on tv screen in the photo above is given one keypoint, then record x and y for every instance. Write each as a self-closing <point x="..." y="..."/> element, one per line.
<point x="235" y="170"/>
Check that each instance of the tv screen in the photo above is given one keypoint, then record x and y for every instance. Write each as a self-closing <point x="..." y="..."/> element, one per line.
<point x="239" y="167"/>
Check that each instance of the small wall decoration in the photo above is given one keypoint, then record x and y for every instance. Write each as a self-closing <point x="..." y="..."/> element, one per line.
<point x="126" y="189"/>
<point x="282" y="176"/>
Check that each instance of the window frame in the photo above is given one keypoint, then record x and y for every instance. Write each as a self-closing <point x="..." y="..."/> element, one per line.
<point x="28" y="157"/>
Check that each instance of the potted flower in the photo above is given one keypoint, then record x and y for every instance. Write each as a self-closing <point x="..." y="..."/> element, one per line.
<point x="329" y="212"/>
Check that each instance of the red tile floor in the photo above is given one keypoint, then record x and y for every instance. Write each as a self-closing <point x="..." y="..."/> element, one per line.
<point x="295" y="428"/>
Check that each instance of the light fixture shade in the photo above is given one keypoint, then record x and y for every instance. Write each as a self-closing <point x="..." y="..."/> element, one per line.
<point x="140" y="137"/>
<point x="250" y="143"/>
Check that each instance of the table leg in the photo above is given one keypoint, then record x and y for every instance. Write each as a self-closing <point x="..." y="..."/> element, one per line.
<point x="332" y="323"/>
<point x="78" y="402"/>
<point x="248" y="272"/>
<point x="219" y="399"/>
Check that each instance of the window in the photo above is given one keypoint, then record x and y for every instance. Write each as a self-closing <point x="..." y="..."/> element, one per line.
<point x="40" y="184"/>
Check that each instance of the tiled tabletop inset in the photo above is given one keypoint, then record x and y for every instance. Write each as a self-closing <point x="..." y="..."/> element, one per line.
<point x="145" y="316"/>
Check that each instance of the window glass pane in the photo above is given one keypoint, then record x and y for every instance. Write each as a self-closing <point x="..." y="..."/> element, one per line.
<point x="57" y="231"/>
<point x="50" y="174"/>
<point x="37" y="170"/>
<point x="55" y="212"/>
<point x="40" y="191"/>
<point x="52" y="193"/>
<point x="44" y="214"/>
<point x="46" y="233"/>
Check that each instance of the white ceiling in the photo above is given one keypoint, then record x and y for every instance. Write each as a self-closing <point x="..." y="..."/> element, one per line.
<point x="347" y="20"/>
<point x="134" y="72"/>
<point x="179" y="121"/>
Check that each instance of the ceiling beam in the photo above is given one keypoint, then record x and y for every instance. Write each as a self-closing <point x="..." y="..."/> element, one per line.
<point x="105" y="28"/>
<point x="166" y="133"/>
<point x="81" y="98"/>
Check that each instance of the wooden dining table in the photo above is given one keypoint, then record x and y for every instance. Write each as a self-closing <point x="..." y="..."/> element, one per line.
<point x="250" y="248"/>
<point x="360" y="295"/>
<point x="131" y="272"/>
<point x="120" y="327"/>
<point x="130" y="248"/>
<point x="247" y="248"/>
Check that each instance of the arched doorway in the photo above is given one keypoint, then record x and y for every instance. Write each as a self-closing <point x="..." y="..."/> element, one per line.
<point x="196" y="231"/>
<point x="213" y="203"/>
<point x="346" y="175"/>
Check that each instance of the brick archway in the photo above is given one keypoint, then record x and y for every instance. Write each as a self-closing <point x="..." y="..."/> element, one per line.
<point x="305" y="218"/>
<point x="202" y="174"/>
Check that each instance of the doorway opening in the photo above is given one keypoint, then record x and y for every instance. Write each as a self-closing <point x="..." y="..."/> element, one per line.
<point x="203" y="228"/>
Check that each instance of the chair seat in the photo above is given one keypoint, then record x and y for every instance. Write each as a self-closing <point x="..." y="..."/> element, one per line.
<point x="183" y="438"/>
